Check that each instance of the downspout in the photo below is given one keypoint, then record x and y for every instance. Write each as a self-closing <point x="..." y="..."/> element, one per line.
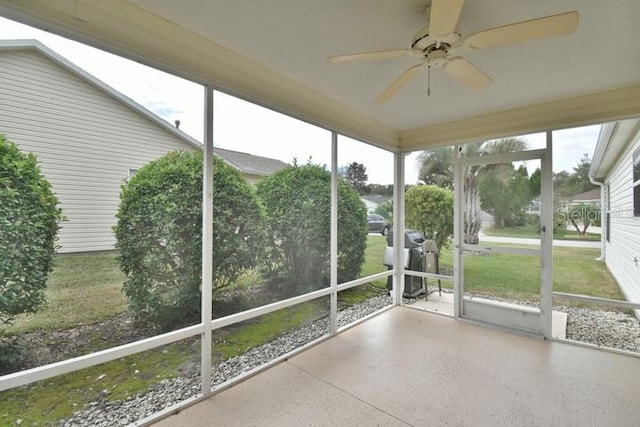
<point x="602" y="218"/>
<point x="607" y="131"/>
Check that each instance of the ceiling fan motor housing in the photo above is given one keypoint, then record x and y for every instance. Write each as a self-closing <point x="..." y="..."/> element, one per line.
<point x="425" y="42"/>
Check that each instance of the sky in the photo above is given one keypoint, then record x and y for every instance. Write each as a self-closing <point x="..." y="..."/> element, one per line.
<point x="242" y="126"/>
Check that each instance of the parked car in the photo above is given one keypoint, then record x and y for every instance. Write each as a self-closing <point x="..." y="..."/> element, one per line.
<point x="377" y="224"/>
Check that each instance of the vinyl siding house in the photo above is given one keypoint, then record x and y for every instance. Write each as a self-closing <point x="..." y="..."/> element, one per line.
<point x="616" y="163"/>
<point x="91" y="141"/>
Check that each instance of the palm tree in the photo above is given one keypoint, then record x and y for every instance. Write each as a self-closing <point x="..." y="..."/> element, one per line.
<point x="436" y="167"/>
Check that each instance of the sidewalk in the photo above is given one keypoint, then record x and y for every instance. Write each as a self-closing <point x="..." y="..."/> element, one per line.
<point x="522" y="241"/>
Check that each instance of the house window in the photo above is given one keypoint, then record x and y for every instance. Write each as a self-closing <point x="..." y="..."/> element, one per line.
<point x="636" y="183"/>
<point x="131" y="173"/>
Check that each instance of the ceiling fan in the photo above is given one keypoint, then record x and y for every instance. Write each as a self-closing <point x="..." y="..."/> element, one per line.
<point x="435" y="42"/>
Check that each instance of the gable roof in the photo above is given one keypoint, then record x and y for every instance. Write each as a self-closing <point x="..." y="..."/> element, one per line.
<point x="249" y="163"/>
<point x="586" y="196"/>
<point x="244" y="162"/>
<point x="613" y="139"/>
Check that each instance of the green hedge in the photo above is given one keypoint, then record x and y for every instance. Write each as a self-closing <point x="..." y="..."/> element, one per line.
<point x="297" y="201"/>
<point x="159" y="235"/>
<point x="29" y="223"/>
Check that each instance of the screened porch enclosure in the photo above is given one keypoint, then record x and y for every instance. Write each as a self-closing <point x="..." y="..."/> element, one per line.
<point x="331" y="343"/>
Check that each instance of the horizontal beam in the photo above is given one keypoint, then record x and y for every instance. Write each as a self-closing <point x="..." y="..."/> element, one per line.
<point x="427" y="275"/>
<point x="40" y="373"/>
<point x="589" y="109"/>
<point x="363" y="280"/>
<point x="596" y="300"/>
<point x="518" y="156"/>
<point x="266" y="309"/>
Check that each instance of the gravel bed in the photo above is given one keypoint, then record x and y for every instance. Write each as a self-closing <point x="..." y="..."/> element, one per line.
<point x="171" y="391"/>
<point x="603" y="328"/>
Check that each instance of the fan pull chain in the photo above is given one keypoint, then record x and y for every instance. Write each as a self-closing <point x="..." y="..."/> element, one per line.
<point x="429" y="81"/>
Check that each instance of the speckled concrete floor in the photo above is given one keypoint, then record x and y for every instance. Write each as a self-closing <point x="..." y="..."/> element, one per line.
<point x="408" y="367"/>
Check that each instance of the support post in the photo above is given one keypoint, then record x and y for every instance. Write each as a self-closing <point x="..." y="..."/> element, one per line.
<point x="334" y="234"/>
<point x="546" y="249"/>
<point x="207" y="241"/>
<point x="398" y="228"/>
<point x="458" y="237"/>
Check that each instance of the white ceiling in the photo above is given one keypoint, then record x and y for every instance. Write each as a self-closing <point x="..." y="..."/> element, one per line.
<point x="295" y="37"/>
<point x="274" y="52"/>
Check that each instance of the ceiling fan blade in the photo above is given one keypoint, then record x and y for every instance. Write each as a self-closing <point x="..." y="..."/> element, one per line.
<point x="549" y="26"/>
<point x="444" y="16"/>
<point x="467" y="73"/>
<point x="399" y="83"/>
<point x="366" y="56"/>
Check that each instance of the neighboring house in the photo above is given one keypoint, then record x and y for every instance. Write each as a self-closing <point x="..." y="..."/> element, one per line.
<point x="88" y="138"/>
<point x="591" y="197"/>
<point x="254" y="168"/>
<point x="372" y="202"/>
<point x="616" y="163"/>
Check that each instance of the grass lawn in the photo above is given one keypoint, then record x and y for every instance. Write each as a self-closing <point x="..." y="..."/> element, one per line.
<point x="87" y="288"/>
<point x="81" y="289"/>
<point x="531" y="232"/>
<point x="374" y="256"/>
<point x="574" y="271"/>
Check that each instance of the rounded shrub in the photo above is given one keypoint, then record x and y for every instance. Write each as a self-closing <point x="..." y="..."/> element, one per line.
<point x="29" y="223"/>
<point x="159" y="235"/>
<point x="429" y="209"/>
<point x="297" y="202"/>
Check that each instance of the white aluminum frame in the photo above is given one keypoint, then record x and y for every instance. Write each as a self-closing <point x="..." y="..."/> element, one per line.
<point x="208" y="325"/>
<point x="207" y="241"/>
<point x="546" y="240"/>
<point x="398" y="228"/>
<point x="333" y="244"/>
<point x="458" y="238"/>
<point x="494" y="314"/>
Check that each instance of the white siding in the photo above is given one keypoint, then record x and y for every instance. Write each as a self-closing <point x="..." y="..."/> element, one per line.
<point x="85" y="140"/>
<point x="624" y="244"/>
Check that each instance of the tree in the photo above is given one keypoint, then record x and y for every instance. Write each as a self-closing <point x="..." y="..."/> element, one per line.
<point x="578" y="181"/>
<point x="29" y="223"/>
<point x="568" y="184"/>
<point x="429" y="209"/>
<point x="535" y="183"/>
<point x="159" y="235"/>
<point x="585" y="214"/>
<point x="378" y="189"/>
<point x="356" y="175"/>
<point x="505" y="194"/>
<point x="436" y="168"/>
<point x="385" y="209"/>
<point x="297" y="201"/>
